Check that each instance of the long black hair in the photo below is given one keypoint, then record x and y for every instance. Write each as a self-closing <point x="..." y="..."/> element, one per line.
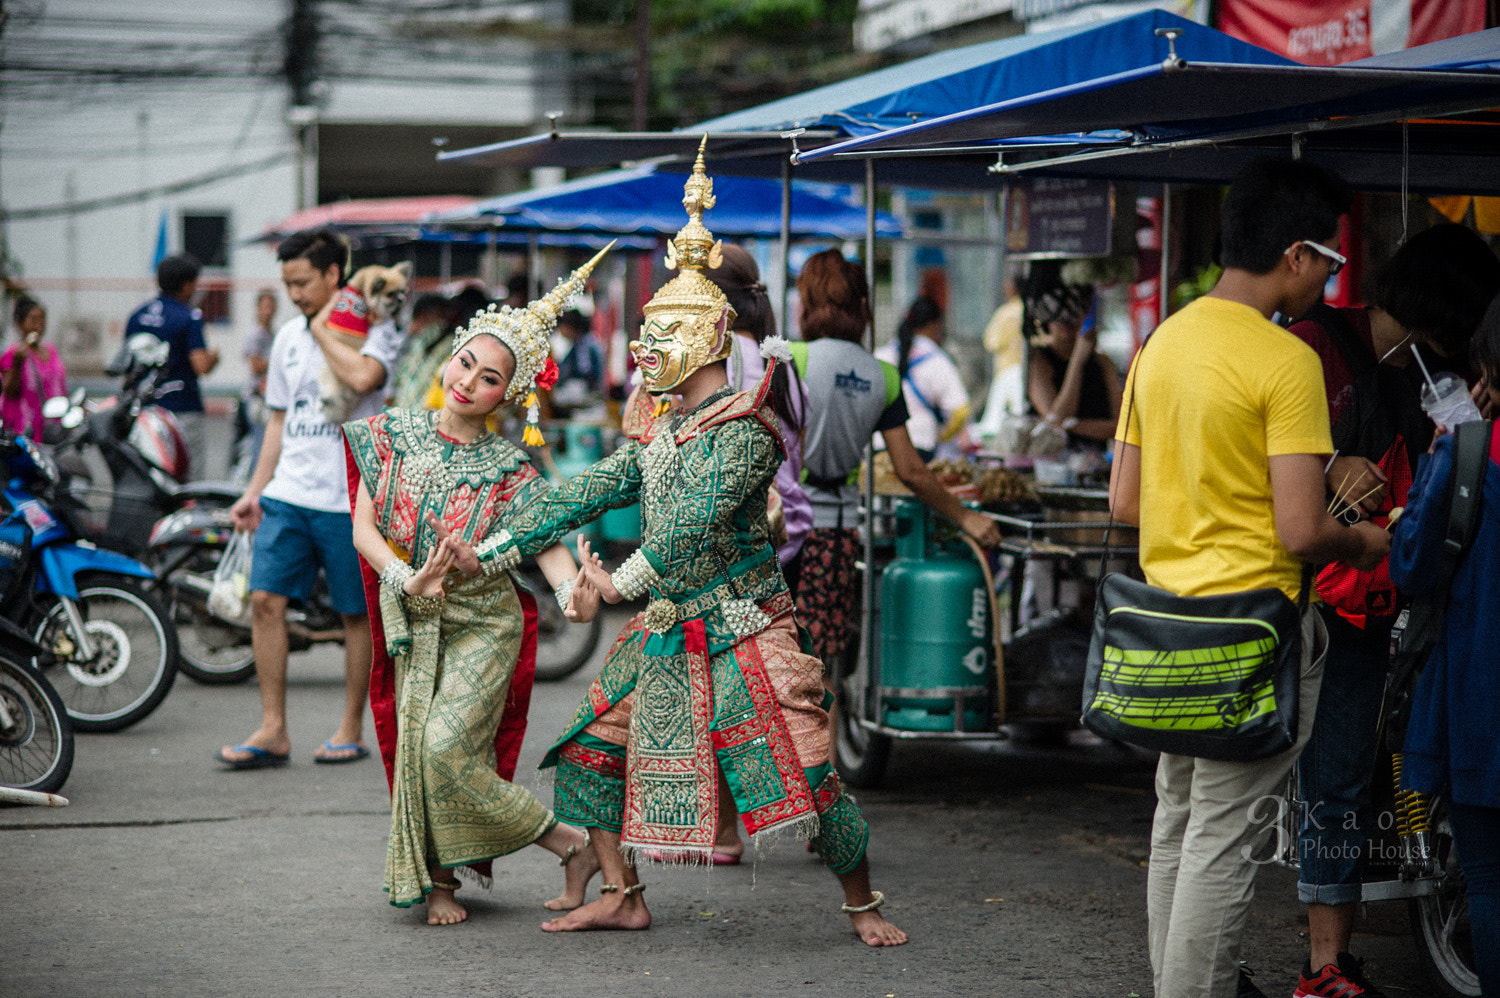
<point x="924" y="311"/>
<point x="739" y="278"/>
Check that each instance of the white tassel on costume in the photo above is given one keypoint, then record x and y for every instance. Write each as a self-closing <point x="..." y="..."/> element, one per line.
<point x="774" y="347"/>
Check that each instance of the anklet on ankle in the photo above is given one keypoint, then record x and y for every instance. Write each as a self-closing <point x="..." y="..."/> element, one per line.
<point x="857" y="909"/>
<point x="608" y="888"/>
<point x="451" y="885"/>
<point x="633" y="890"/>
<point x="573" y="850"/>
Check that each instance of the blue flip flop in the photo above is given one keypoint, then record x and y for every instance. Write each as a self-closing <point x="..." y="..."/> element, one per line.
<point x="359" y="751"/>
<point x="259" y="758"/>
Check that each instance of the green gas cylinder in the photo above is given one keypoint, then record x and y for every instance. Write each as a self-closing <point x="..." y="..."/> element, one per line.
<point x="935" y="669"/>
<point x="579" y="445"/>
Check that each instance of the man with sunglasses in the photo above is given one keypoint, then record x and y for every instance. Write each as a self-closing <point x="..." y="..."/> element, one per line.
<point x="1432" y="295"/>
<point x="1220" y="458"/>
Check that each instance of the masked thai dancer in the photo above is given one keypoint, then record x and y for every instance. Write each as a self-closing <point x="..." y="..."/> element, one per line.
<point x="456" y="653"/>
<point x="719" y="680"/>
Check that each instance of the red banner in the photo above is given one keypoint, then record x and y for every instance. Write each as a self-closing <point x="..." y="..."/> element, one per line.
<point x="1330" y="32"/>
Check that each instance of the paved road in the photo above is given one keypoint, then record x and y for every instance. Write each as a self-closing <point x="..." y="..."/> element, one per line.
<point x="1018" y="871"/>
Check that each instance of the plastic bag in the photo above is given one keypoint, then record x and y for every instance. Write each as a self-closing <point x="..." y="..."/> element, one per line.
<point x="229" y="598"/>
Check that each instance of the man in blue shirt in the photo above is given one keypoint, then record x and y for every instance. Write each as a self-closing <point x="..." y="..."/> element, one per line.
<point x="170" y="318"/>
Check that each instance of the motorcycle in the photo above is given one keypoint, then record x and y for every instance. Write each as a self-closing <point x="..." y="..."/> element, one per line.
<point x="107" y="642"/>
<point x="36" y="738"/>
<point x="148" y="512"/>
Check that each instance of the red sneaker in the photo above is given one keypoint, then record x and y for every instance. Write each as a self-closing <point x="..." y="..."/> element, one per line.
<point x="1344" y="979"/>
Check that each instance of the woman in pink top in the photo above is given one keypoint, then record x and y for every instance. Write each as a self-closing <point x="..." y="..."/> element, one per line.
<point x="30" y="372"/>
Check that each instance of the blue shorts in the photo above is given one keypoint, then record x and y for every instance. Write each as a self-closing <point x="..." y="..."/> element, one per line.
<point x="293" y="541"/>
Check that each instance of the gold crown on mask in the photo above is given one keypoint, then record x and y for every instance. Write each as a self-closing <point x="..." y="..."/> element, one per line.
<point x="691" y="251"/>
<point x="527" y="334"/>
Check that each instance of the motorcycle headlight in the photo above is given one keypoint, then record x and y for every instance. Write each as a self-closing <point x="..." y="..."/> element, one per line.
<point x="45" y="466"/>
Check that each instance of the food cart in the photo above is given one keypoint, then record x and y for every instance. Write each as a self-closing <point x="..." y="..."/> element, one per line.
<point x="950" y="653"/>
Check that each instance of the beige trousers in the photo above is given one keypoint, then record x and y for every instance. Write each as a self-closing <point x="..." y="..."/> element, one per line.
<point x="1201" y="877"/>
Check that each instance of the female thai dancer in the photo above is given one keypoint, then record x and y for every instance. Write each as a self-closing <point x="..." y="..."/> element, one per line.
<point x="456" y="654"/>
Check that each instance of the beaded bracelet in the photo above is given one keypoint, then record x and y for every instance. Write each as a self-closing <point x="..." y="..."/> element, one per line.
<point x="395" y="573"/>
<point x="635" y="577"/>
<point x="564" y="593"/>
<point x="498" y="553"/>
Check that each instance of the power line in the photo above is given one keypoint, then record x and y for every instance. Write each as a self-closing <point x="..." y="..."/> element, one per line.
<point x="132" y="197"/>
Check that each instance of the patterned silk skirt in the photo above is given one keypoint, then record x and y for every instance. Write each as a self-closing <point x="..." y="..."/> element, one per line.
<point x="448" y="805"/>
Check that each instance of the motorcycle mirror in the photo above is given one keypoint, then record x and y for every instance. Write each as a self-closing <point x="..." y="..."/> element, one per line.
<point x="147" y="349"/>
<point x="56" y="407"/>
<point x="72" y="419"/>
<point x="77" y="397"/>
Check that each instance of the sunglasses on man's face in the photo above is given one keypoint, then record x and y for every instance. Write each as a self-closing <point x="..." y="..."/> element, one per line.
<point x="1336" y="260"/>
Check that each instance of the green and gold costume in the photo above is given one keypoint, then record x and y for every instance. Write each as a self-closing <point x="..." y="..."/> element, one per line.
<point x="712" y="676"/>
<point x="437" y="711"/>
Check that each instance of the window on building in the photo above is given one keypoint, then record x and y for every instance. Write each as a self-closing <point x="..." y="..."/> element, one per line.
<point x="205" y="236"/>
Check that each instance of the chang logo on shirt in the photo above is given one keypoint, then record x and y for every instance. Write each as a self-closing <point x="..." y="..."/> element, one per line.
<point x="152" y="316"/>
<point x="851" y="383"/>
<point x="306" y="420"/>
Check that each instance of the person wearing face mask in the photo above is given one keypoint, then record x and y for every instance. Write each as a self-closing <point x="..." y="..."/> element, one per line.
<point x="720" y="681"/>
<point x="455" y="654"/>
<point x="1070" y="383"/>
<point x="1432" y="293"/>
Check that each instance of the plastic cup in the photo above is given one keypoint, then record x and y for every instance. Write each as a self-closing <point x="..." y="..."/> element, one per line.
<point x="1450" y="405"/>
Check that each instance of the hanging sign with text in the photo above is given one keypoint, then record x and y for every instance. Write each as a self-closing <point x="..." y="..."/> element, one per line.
<point x="1047" y="217"/>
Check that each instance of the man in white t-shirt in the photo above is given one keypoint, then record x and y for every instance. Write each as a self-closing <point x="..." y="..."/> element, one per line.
<point x="297" y="501"/>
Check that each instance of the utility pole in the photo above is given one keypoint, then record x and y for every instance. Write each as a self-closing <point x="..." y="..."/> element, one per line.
<point x="641" y="91"/>
<point x="301" y="71"/>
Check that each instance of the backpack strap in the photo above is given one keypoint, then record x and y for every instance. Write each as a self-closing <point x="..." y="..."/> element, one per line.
<point x="1471" y="453"/>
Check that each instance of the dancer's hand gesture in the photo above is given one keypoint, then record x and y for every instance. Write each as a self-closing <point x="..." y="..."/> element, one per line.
<point x="592" y="569"/>
<point x="428" y="580"/>
<point x="464" y="558"/>
<point x="583" y="604"/>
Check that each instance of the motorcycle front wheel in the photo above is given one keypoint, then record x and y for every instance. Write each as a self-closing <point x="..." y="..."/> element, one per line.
<point x="36" y="739"/>
<point x="134" y="657"/>
<point x="1440" y="921"/>
<point x="210" y="650"/>
<point x="562" y="647"/>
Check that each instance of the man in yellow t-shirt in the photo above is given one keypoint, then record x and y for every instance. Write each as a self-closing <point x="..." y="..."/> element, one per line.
<point x="1219" y="457"/>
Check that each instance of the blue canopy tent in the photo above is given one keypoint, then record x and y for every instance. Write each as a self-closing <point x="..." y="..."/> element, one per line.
<point x="1345" y="113"/>
<point x="644" y="201"/>
<point x="750" y="143"/>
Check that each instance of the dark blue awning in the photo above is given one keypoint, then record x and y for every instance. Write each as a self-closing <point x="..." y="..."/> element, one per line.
<point x="1198" y="97"/>
<point x="642" y="201"/>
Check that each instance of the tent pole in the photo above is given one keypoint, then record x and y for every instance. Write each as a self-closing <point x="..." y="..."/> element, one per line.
<point x="868" y="637"/>
<point x="1164" y="296"/>
<point x="534" y="265"/>
<point x="786" y="243"/>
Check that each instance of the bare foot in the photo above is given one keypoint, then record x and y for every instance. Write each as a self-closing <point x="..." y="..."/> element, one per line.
<point x="577" y="873"/>
<point x="876" y="931"/>
<point x="442" y="909"/>
<point x="609" y="912"/>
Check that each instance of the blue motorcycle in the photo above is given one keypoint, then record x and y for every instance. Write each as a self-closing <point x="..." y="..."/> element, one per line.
<point x="108" y="645"/>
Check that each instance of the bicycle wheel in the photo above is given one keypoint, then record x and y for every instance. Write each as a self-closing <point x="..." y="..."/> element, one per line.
<point x="36" y="740"/>
<point x="134" y="654"/>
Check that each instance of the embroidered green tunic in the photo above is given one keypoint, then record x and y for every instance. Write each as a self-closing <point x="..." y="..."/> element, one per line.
<point x="706" y="694"/>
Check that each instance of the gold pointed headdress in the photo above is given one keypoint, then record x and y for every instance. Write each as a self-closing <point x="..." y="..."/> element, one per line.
<point x="527" y="333"/>
<point x="699" y="302"/>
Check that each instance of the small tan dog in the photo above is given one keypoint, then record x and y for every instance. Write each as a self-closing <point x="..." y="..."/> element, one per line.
<point x="373" y="295"/>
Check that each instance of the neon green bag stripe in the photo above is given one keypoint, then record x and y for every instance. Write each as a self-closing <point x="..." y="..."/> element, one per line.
<point x="1238" y="659"/>
<point x="1131" y="679"/>
<point x="1158" y="614"/>
<point x="1149" y="714"/>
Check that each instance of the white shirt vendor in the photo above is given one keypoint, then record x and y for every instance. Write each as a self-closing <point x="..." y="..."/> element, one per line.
<point x="311" y="471"/>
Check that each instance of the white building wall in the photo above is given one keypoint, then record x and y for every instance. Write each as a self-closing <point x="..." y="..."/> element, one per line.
<point x="108" y="108"/>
